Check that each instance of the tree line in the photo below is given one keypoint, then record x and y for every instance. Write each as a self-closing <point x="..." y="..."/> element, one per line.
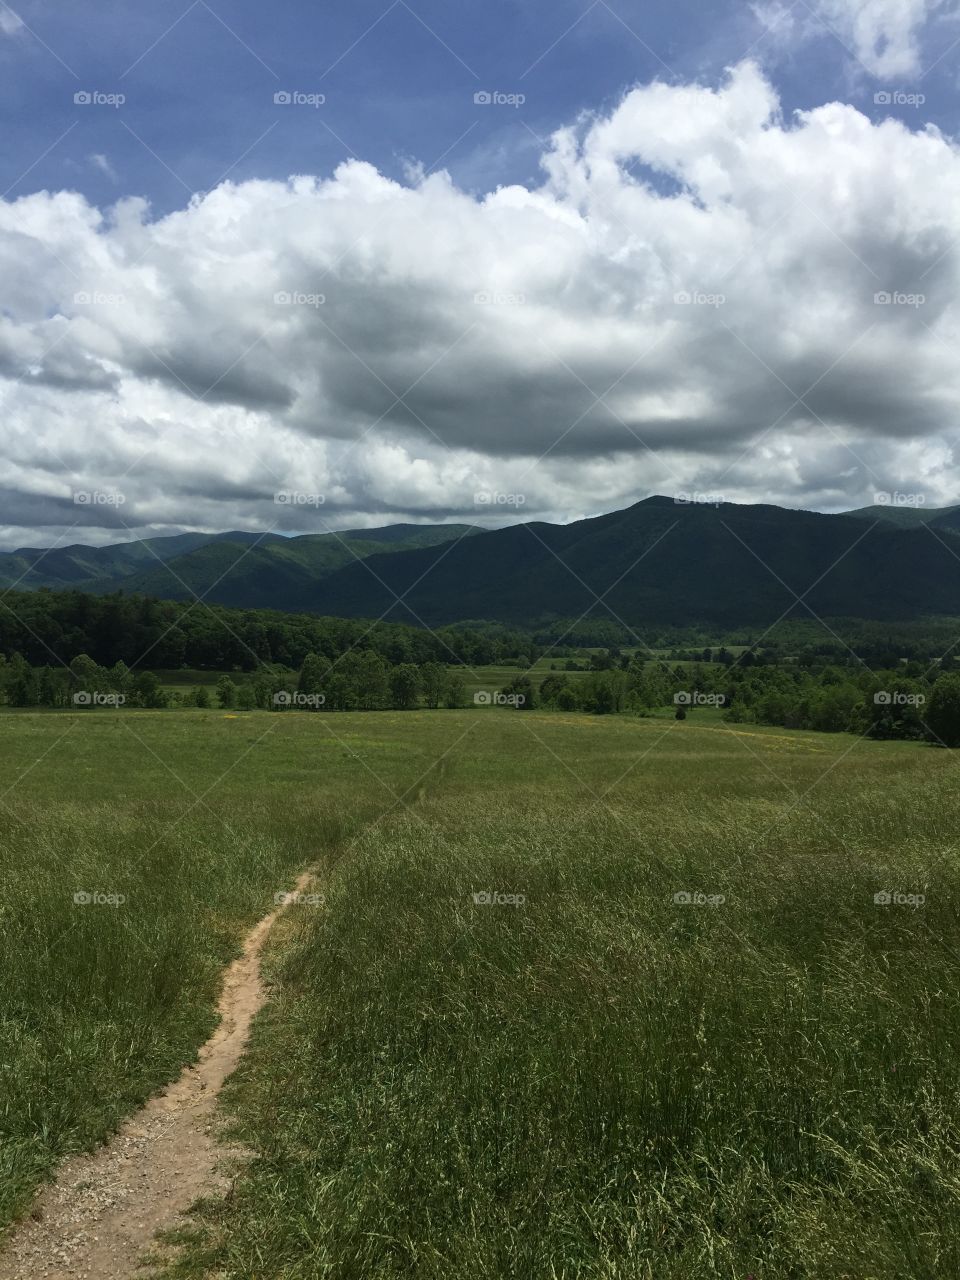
<point x="361" y="680"/>
<point x="910" y="701"/>
<point x="54" y="627"/>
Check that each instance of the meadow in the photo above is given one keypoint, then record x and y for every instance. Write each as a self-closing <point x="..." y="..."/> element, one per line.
<point x="589" y="996"/>
<point x="195" y="820"/>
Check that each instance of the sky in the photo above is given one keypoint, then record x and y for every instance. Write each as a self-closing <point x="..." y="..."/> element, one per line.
<point x="300" y="267"/>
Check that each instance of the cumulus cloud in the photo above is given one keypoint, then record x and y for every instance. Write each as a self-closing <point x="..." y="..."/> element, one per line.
<point x="700" y="294"/>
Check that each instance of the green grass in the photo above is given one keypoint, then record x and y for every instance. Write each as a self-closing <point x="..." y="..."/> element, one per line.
<point x="186" y="680"/>
<point x="496" y="676"/>
<point x="598" y="1082"/>
<point x="196" y="819"/>
<point x="601" y="1082"/>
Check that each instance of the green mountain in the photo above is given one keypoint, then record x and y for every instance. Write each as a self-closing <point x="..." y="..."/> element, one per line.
<point x="662" y="562"/>
<point x="910" y="517"/>
<point x="655" y="562"/>
<point x="248" y="570"/>
<point x="78" y="565"/>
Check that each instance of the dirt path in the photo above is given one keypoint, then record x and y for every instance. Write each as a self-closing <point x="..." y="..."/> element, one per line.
<point x="99" y="1217"/>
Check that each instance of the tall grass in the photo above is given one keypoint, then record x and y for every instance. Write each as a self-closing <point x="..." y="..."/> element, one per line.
<point x="601" y="1081"/>
<point x="180" y="829"/>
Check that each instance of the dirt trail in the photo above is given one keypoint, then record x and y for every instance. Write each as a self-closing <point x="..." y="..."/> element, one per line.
<point x="98" y="1219"/>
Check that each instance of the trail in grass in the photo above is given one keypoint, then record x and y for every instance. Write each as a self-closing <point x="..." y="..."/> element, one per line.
<point x="100" y="1215"/>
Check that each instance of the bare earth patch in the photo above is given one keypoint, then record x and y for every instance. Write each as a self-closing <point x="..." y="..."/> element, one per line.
<point x="100" y="1215"/>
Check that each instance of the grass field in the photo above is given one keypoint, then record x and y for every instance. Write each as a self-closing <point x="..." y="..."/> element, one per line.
<point x="197" y="819"/>
<point x="476" y="678"/>
<point x="598" y="1080"/>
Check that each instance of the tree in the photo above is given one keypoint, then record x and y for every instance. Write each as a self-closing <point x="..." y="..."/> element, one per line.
<point x="521" y="693"/>
<point x="120" y="677"/>
<point x="87" y="676"/>
<point x="602" y="698"/>
<point x="226" y="692"/>
<point x="404" y="686"/>
<point x="433" y="676"/>
<point x="550" y="687"/>
<point x="313" y="673"/>
<point x="455" y="690"/>
<point x="374" y="688"/>
<point x="21" y="683"/>
<point x="201" y="698"/>
<point x="48" y="691"/>
<point x="566" y="699"/>
<point x="943" y="713"/>
<point x="262" y="692"/>
<point x="896" y="711"/>
<point x="147" y="691"/>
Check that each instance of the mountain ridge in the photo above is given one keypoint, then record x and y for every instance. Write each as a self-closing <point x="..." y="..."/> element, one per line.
<point x="657" y="560"/>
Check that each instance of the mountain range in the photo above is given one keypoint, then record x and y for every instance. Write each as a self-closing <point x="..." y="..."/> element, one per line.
<point x="249" y="570"/>
<point x="656" y="561"/>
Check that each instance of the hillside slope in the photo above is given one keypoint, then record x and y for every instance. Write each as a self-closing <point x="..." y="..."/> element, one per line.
<point x="658" y="561"/>
<point x="244" y="569"/>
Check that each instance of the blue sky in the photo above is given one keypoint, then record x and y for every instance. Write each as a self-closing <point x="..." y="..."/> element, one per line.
<point x="277" y="267"/>
<point x="398" y="78"/>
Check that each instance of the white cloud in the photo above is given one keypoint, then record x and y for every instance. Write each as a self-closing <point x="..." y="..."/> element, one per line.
<point x="531" y="341"/>
<point x="884" y="35"/>
<point x="778" y="18"/>
<point x="101" y="162"/>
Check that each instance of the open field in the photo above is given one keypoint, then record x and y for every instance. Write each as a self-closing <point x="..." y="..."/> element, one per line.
<point x="597" y="1080"/>
<point x="490" y="677"/>
<point x="197" y="819"/>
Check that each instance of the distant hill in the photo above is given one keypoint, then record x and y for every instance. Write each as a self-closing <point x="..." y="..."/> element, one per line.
<point x="79" y="565"/>
<point x="655" y="562"/>
<point x="248" y="570"/>
<point x="662" y="562"/>
<point x="909" y="517"/>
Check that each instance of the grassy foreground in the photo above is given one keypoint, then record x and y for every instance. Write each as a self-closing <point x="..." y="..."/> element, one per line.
<point x="598" y="1080"/>
<point x="179" y="829"/>
<point x="593" y="1081"/>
